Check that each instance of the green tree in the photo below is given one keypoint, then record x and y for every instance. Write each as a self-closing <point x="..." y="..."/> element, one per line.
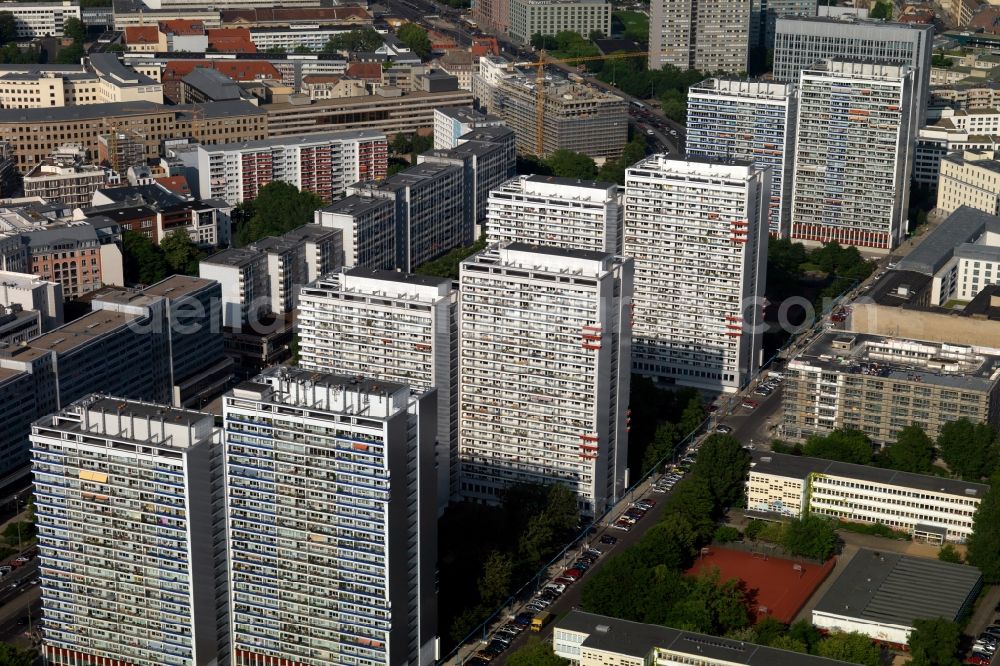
<point x="753" y="529"/>
<point x="365" y="39"/>
<point x="913" y="451"/>
<point x="278" y="208"/>
<point x="882" y="10"/>
<point x="812" y="536"/>
<point x="70" y="55"/>
<point x="934" y="642"/>
<point x="949" y="553"/>
<point x="726" y="534"/>
<point x="14" y="656"/>
<point x="805" y="633"/>
<point x="723" y="465"/>
<point x="276" y="50"/>
<point x="536" y="653"/>
<point x="415" y="38"/>
<point x="673" y="104"/>
<point x="74" y="29"/>
<point x="115" y="47"/>
<point x="302" y="48"/>
<point x="969" y="449"/>
<point x="852" y="647"/>
<point x="547" y="42"/>
<point x="983" y="546"/>
<point x="786" y="642"/>
<point x="447" y="266"/>
<point x="180" y="253"/>
<point x="567" y="164"/>
<point x="693" y="415"/>
<point x="536" y="541"/>
<point x="693" y="501"/>
<point x="664" y="440"/>
<point x="494" y="585"/>
<point x="8" y="28"/>
<point x="561" y="510"/>
<point x="142" y="261"/>
<point x="851" y="446"/>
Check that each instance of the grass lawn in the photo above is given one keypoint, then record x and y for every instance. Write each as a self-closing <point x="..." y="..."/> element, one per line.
<point x="956" y="303"/>
<point x="636" y="25"/>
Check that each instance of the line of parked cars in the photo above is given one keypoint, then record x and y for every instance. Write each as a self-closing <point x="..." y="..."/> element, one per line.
<point x="767" y="387"/>
<point x="501" y="639"/>
<point x="666" y="482"/>
<point x="985" y="646"/>
<point x="633" y="514"/>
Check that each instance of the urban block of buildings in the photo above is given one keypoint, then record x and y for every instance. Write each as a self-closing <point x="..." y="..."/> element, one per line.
<point x="587" y="639"/>
<point x="66" y="176"/>
<point x="550" y="17"/>
<point x="697" y="230"/>
<point x="953" y="131"/>
<point x="368" y="225"/>
<point x="881" y="594"/>
<point x="754" y="121"/>
<point x="880" y="385"/>
<point x="559" y="212"/>
<point x="390" y="326"/>
<point x="34" y="20"/>
<point x="544" y="349"/>
<point x="970" y="178"/>
<point x="347" y="536"/>
<point x="930" y="508"/>
<point x="853" y="154"/>
<point x="707" y="35"/>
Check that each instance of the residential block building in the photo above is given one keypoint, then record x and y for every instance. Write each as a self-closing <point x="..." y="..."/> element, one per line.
<point x="368" y="225"/>
<point x="560" y="212"/>
<point x="697" y="230"/>
<point x="953" y="131"/>
<point x="123" y="498"/>
<point x="853" y="154"/>
<point x="707" y="35"/>
<point x="429" y="211"/>
<point x="323" y="163"/>
<point x="65" y="176"/>
<point x="246" y="287"/>
<point x="81" y="257"/>
<point x="544" y="367"/>
<point x="928" y="507"/>
<point x="550" y="17"/>
<point x="748" y="121"/>
<point x="879" y="385"/>
<point x="30" y="292"/>
<point x="764" y="15"/>
<point x="391" y="326"/>
<point x="331" y="514"/>
<point x="450" y="123"/>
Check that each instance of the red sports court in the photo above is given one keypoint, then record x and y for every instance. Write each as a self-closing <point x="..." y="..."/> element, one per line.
<point x="781" y="586"/>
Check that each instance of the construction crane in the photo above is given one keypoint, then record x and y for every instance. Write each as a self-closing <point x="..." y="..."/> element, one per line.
<point x="539" y="66"/>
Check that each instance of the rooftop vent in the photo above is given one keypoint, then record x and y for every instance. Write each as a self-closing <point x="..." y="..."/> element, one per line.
<point x="603" y="628"/>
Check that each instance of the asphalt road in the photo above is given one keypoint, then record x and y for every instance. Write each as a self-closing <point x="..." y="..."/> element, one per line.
<point x="570" y="599"/>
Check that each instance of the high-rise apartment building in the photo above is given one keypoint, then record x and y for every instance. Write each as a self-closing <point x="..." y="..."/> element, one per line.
<point x="125" y="511"/>
<point x="331" y="512"/>
<point x="707" y="35"/>
<point x="754" y="121"/>
<point x="323" y="163"/>
<point x="544" y="364"/>
<point x="368" y="225"/>
<point x="698" y="233"/>
<point x="451" y="122"/>
<point x="561" y="212"/>
<point x="801" y="42"/>
<point x="853" y="154"/>
<point x="765" y="13"/>
<point x="389" y="326"/>
<point x="429" y="211"/>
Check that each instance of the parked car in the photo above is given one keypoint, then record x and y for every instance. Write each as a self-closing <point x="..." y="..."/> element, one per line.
<point x="523" y="619"/>
<point x="623" y="525"/>
<point x="723" y="429"/>
<point x="749" y="404"/>
<point x="609" y="540"/>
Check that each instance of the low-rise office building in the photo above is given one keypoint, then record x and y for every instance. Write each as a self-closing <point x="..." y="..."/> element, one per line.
<point x="879" y="385"/>
<point x="951" y="130"/>
<point x="451" y="123"/>
<point x="34" y="20"/>
<point x="587" y="639"/>
<point x="882" y="594"/>
<point x="970" y="178"/>
<point x="930" y="508"/>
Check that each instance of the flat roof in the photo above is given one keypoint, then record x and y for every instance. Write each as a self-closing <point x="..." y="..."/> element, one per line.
<point x="898" y="288"/>
<point x="296" y="139"/>
<point x="7" y="375"/>
<point x="897" y="589"/>
<point x="82" y="112"/>
<point x="356" y="204"/>
<point x="828" y="352"/>
<point x="572" y="182"/>
<point x="396" y="276"/>
<point x="637" y="640"/>
<point x="311" y="233"/>
<point x="177" y="286"/>
<point x="233" y="256"/>
<point x="146" y="410"/>
<point x="801" y="467"/>
<point x="589" y="255"/>
<point x="356" y="383"/>
<point x="82" y="331"/>
<point x="964" y="225"/>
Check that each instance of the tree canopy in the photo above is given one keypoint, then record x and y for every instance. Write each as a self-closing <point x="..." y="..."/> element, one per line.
<point x="536" y="653"/>
<point x="15" y="656"/>
<point x="8" y="28"/>
<point x="448" y="266"/>
<point x="278" y="208"/>
<point x="567" y="164"/>
<point x="984" y="542"/>
<point x="851" y="446"/>
<point x="723" y="465"/>
<point x="70" y="55"/>
<point x="415" y="38"/>
<point x="74" y="29"/>
<point x="934" y="642"/>
<point x="969" y="449"/>
<point x="180" y="253"/>
<point x="143" y="262"/>
<point x="853" y="647"/>
<point x="811" y="536"/>
<point x="913" y="451"/>
<point x="365" y="39"/>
